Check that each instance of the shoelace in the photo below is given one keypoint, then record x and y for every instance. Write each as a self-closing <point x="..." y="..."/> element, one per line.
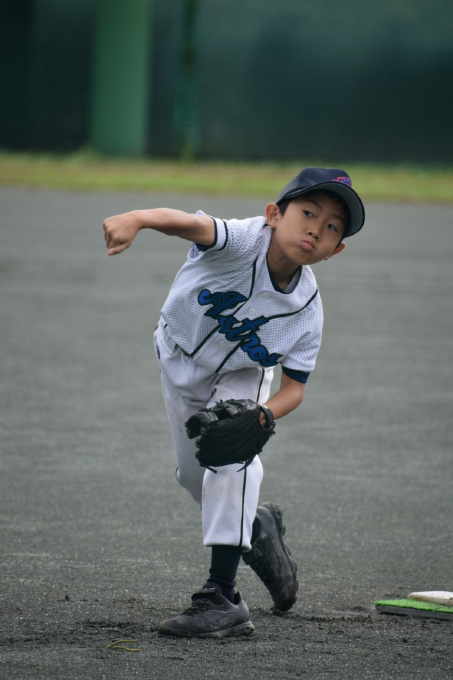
<point x="199" y="605"/>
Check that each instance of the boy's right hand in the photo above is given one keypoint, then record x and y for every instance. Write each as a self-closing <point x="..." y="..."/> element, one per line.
<point x="120" y="231"/>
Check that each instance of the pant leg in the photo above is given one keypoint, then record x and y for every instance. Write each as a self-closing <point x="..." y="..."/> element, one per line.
<point x="230" y="497"/>
<point x="181" y="403"/>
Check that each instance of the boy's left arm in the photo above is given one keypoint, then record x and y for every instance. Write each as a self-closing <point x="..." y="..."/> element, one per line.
<point x="288" y="398"/>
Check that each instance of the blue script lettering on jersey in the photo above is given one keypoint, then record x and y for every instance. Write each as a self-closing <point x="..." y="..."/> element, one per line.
<point x="235" y="330"/>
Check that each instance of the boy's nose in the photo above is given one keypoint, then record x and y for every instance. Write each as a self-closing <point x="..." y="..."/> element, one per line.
<point x="314" y="231"/>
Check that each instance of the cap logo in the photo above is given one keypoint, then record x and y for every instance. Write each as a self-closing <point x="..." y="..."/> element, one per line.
<point x="343" y="180"/>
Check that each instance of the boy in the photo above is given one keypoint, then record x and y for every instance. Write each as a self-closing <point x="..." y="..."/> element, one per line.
<point x="245" y="300"/>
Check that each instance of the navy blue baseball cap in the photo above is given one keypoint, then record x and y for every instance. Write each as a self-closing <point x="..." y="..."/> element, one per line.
<point x="332" y="179"/>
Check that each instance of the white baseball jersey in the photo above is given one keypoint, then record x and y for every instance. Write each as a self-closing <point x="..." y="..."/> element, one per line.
<point x="224" y="311"/>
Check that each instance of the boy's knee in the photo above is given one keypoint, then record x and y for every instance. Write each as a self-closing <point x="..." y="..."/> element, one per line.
<point x="193" y="483"/>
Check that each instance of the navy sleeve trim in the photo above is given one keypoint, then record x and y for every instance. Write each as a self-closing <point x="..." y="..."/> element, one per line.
<point x="300" y="376"/>
<point x="202" y="247"/>
<point x="226" y="235"/>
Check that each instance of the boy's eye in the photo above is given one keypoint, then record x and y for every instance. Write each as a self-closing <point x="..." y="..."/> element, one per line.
<point x="332" y="227"/>
<point x="308" y="213"/>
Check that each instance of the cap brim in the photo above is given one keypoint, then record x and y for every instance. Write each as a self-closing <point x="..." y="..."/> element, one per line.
<point x="349" y="196"/>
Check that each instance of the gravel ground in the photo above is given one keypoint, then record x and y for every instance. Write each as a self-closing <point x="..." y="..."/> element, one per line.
<point x="98" y="543"/>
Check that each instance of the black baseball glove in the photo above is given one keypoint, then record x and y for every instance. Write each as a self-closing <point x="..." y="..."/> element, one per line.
<point x="230" y="432"/>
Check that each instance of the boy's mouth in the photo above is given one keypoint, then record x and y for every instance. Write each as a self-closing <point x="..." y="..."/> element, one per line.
<point x="306" y="245"/>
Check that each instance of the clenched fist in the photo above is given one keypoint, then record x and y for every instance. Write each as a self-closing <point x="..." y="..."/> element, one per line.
<point x="120" y="231"/>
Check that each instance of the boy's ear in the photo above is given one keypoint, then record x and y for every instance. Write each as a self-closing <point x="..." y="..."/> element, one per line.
<point x="272" y="214"/>
<point x="341" y="246"/>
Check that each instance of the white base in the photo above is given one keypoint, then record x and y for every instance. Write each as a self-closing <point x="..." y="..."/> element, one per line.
<point x="434" y="596"/>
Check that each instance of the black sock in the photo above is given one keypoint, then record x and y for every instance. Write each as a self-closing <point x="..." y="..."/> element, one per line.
<point x="224" y="565"/>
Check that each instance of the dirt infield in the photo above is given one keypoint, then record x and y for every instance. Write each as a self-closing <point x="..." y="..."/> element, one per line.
<point x="98" y="541"/>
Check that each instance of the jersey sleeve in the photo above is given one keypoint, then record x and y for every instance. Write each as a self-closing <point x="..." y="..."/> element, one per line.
<point x="299" y="376"/>
<point x="218" y="224"/>
<point x="233" y="238"/>
<point x="302" y="356"/>
<point x="220" y="235"/>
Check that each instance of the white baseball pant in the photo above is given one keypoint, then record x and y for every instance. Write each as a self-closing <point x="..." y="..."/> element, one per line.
<point x="228" y="499"/>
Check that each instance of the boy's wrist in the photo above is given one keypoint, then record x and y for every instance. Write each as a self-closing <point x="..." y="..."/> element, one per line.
<point x="139" y="218"/>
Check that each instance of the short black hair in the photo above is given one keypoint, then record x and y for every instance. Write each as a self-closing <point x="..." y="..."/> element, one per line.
<point x="332" y="195"/>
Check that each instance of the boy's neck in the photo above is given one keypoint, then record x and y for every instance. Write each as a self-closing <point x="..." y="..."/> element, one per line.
<point x="282" y="274"/>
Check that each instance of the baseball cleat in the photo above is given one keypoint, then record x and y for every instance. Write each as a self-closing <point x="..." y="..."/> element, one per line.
<point x="210" y="615"/>
<point x="270" y="559"/>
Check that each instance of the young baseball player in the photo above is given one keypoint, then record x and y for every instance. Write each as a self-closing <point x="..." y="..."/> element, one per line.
<point x="245" y="300"/>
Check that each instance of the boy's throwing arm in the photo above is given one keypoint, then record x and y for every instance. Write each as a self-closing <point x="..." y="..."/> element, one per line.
<point x="120" y="230"/>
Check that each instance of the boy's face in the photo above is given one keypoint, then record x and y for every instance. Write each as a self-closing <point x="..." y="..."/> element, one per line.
<point x="310" y="230"/>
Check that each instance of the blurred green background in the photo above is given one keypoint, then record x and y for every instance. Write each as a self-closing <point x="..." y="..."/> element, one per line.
<point x="229" y="79"/>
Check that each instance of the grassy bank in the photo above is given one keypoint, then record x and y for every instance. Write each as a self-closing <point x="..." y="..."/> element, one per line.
<point x="86" y="172"/>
